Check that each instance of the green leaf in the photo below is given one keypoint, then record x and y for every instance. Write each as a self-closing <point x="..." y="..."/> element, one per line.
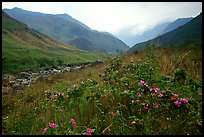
<point x="130" y="117"/>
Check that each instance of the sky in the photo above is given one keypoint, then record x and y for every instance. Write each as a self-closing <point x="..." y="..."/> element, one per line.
<point x="131" y="18"/>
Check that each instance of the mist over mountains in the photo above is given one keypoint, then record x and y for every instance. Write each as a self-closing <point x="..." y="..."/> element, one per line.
<point x="189" y="32"/>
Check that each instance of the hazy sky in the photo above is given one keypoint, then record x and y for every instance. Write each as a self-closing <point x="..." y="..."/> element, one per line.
<point x="116" y="17"/>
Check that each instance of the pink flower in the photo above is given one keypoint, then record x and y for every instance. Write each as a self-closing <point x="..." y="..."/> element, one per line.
<point x="68" y="90"/>
<point x="157" y="90"/>
<point x="116" y="71"/>
<point x="146" y="107"/>
<point x="140" y="95"/>
<point x="73" y="122"/>
<point x="75" y="86"/>
<point x="126" y="84"/>
<point x="154" y="87"/>
<point x="132" y="101"/>
<point x="146" y="85"/>
<point x="141" y="82"/>
<point x="52" y="125"/>
<point x="2" y="132"/>
<point x="150" y="89"/>
<point x="177" y="103"/>
<point x="125" y="91"/>
<point x="160" y="95"/>
<point x="54" y="96"/>
<point x="44" y="130"/>
<point x="112" y="113"/>
<point x="200" y="94"/>
<point x="155" y="106"/>
<point x="137" y="101"/>
<point x="88" y="131"/>
<point x="183" y="100"/>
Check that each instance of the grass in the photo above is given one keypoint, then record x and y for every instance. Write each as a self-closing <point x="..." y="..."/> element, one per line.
<point x="113" y="98"/>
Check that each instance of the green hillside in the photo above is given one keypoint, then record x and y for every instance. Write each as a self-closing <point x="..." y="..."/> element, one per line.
<point x="190" y="32"/>
<point x="26" y="49"/>
<point x="65" y="29"/>
<point x="86" y="45"/>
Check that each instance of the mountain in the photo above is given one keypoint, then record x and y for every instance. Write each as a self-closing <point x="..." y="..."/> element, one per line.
<point x="69" y="18"/>
<point x="64" y="28"/>
<point x="147" y="35"/>
<point x="26" y="49"/>
<point x="191" y="31"/>
<point x="86" y="45"/>
<point x="177" y="23"/>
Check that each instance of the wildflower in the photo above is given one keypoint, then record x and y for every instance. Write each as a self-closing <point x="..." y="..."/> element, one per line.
<point x="155" y="106"/>
<point x="150" y="89"/>
<point x="2" y="132"/>
<point x="68" y="90"/>
<point x="52" y="125"/>
<point x="73" y="122"/>
<point x="54" y="96"/>
<point x="146" y="85"/>
<point x="126" y="84"/>
<point x="88" y="131"/>
<point x="45" y="130"/>
<point x="146" y="107"/>
<point x="133" y="122"/>
<point x="140" y="95"/>
<point x="137" y="101"/>
<point x="157" y="90"/>
<point x="141" y="82"/>
<point x="132" y="101"/>
<point x="125" y="91"/>
<point x="200" y="94"/>
<point x="168" y="118"/>
<point x="183" y="100"/>
<point x="160" y="95"/>
<point x="116" y="71"/>
<point x="177" y="103"/>
<point x="154" y="87"/>
<point x="112" y="113"/>
<point x="133" y="74"/>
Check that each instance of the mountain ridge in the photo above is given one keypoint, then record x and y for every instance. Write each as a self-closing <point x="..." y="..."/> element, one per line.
<point x="191" y="31"/>
<point x="66" y="31"/>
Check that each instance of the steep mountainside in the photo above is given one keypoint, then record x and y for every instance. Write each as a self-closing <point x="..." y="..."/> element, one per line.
<point x="64" y="28"/>
<point x="177" y="23"/>
<point x="191" y="31"/>
<point x="86" y="45"/>
<point x="26" y="49"/>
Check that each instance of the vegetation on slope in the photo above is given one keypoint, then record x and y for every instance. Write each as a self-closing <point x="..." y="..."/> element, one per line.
<point x="157" y="91"/>
<point x="25" y="49"/>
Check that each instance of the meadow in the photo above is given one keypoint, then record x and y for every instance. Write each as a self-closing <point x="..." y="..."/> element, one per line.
<point x="154" y="92"/>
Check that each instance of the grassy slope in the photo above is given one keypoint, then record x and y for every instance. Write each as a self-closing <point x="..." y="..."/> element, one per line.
<point x="96" y="97"/>
<point x="32" y="50"/>
<point x="191" y="31"/>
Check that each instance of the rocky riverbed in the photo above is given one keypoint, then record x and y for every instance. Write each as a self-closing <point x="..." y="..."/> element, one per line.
<point x="17" y="82"/>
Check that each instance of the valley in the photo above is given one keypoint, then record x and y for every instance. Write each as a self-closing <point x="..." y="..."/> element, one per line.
<point x="61" y="77"/>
